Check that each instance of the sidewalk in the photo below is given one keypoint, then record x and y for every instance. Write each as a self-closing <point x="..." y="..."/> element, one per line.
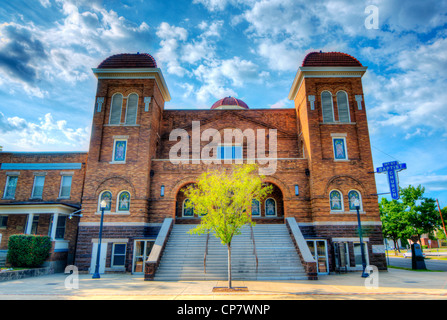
<point x="393" y="284"/>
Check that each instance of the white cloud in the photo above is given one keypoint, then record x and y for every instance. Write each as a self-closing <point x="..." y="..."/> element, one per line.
<point x="20" y="134"/>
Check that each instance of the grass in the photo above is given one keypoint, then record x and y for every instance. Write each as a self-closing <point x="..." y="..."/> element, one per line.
<point x="418" y="270"/>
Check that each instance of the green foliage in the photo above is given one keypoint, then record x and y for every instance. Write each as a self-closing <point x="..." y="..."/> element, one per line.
<point x="28" y="250"/>
<point x="411" y="217"/>
<point x="223" y="200"/>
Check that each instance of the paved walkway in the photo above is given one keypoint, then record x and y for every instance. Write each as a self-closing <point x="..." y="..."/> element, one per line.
<point x="393" y="284"/>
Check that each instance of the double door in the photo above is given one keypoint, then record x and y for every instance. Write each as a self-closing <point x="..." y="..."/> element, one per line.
<point x="318" y="249"/>
<point x="142" y="250"/>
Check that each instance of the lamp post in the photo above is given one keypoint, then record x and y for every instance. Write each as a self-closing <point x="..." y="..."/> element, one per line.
<point x="357" y="207"/>
<point x="96" y="275"/>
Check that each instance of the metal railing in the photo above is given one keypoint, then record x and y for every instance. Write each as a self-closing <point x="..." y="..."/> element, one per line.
<point x="254" y="247"/>
<point x="206" y="252"/>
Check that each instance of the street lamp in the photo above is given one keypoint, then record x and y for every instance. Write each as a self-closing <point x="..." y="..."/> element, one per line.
<point x="357" y="207"/>
<point x="102" y="205"/>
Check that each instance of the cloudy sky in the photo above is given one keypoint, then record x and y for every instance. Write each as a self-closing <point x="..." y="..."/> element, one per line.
<point x="209" y="49"/>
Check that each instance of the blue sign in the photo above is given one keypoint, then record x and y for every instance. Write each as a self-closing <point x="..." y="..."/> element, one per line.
<point x="391" y="168"/>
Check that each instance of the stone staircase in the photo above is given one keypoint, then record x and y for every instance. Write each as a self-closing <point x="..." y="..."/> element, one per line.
<point x="183" y="256"/>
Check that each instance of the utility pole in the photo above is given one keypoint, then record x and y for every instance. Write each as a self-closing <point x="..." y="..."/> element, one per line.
<point x="440" y="213"/>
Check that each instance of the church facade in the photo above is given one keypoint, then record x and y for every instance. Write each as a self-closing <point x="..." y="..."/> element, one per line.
<point x="320" y="150"/>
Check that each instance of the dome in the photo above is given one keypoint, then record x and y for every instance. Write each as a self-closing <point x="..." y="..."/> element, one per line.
<point x="330" y="59"/>
<point x="230" y="103"/>
<point x="129" y="60"/>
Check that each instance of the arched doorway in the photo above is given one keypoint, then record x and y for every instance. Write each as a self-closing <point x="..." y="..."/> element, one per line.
<point x="270" y="209"/>
<point x="183" y="214"/>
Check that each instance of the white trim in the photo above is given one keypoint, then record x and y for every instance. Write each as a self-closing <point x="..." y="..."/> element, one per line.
<point x="60" y="188"/>
<point x="135" y="73"/>
<point x="339" y="223"/>
<point x="341" y="199"/>
<point x="348" y="239"/>
<point x="107" y="240"/>
<point x="120" y="224"/>
<point x="115" y="140"/>
<point x="34" y="184"/>
<point x="347" y="105"/>
<point x="323" y="72"/>
<point x="113" y="254"/>
<point x="36" y="209"/>
<point x="265" y="208"/>
<point x="345" y="147"/>
<point x="6" y="187"/>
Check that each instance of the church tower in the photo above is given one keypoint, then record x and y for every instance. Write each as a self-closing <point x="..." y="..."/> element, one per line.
<point x="129" y="103"/>
<point x="333" y="130"/>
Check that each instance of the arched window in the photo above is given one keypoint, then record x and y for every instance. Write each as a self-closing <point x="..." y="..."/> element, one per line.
<point x="107" y="196"/>
<point x="352" y="196"/>
<point x="336" y="200"/>
<point x="255" y="208"/>
<point x="115" y="110"/>
<point x="327" y="107"/>
<point x="132" y="109"/>
<point x="123" y="201"/>
<point x="187" y="211"/>
<point x="343" y="107"/>
<point x="270" y="207"/>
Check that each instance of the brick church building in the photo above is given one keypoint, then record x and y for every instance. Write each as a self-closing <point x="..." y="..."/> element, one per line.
<point x="323" y="164"/>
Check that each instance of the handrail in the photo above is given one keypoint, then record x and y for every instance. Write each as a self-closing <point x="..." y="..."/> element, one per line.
<point x="206" y="252"/>
<point x="254" y="247"/>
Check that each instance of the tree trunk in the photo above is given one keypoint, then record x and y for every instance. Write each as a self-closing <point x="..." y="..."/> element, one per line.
<point x="229" y="265"/>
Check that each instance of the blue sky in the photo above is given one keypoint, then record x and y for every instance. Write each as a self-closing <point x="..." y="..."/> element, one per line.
<point x="209" y="49"/>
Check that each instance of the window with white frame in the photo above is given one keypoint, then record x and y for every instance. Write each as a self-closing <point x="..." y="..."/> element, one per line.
<point x="339" y="147"/>
<point x="65" y="186"/>
<point x="255" y="208"/>
<point x="270" y="207"/>
<point x="336" y="200"/>
<point x="123" y="201"/>
<point x="132" y="109"/>
<point x="107" y="197"/>
<point x="60" y="227"/>
<point x="119" y="151"/>
<point x="115" y="108"/>
<point x="119" y="255"/>
<point x="39" y="182"/>
<point x="343" y="107"/>
<point x="354" y="195"/>
<point x="327" y="106"/>
<point x="10" y="187"/>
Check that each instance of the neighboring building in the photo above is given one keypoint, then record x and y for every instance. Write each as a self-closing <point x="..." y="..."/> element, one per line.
<point x="323" y="159"/>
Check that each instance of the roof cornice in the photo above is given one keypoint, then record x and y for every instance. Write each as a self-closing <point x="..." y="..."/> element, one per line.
<point x="135" y="73"/>
<point x="323" y="72"/>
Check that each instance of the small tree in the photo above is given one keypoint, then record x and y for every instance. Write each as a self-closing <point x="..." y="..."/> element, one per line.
<point x="422" y="213"/>
<point x="395" y="223"/>
<point x="223" y="201"/>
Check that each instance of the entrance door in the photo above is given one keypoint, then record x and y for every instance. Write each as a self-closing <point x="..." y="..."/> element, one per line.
<point x="142" y="249"/>
<point x="102" y="257"/>
<point x="358" y="255"/>
<point x="318" y="248"/>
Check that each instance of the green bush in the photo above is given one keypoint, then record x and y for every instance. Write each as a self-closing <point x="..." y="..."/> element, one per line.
<point x="26" y="250"/>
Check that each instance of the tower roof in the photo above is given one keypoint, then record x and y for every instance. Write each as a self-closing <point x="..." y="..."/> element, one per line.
<point x="330" y="59"/>
<point x="230" y="103"/>
<point x="128" y="60"/>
